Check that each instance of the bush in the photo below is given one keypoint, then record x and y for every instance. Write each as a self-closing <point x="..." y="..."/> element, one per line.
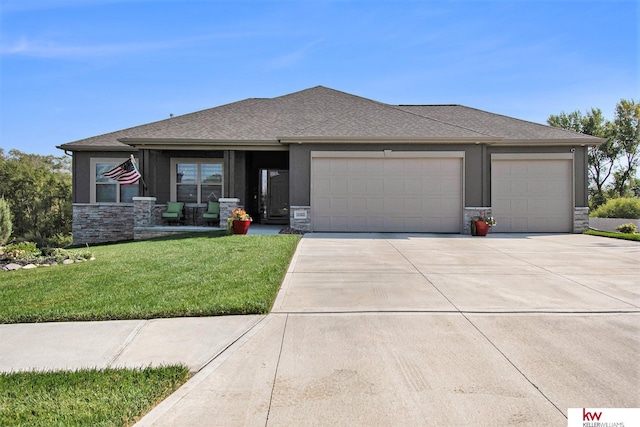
<point x="22" y="250"/>
<point x="6" y="225"/>
<point x="628" y="208"/>
<point x="627" y="228"/>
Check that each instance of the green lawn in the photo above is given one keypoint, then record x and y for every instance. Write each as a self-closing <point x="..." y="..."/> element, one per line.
<point x="203" y="275"/>
<point x="623" y="236"/>
<point x="85" y="398"/>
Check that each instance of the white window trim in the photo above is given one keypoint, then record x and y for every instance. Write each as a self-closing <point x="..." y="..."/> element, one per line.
<point x="96" y="160"/>
<point x="173" y="171"/>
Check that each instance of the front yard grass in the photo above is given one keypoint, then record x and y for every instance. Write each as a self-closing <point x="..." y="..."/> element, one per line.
<point x="200" y="275"/>
<point x="623" y="236"/>
<point x="110" y="397"/>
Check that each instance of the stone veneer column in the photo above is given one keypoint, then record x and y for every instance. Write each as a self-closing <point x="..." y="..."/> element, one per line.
<point x="580" y="219"/>
<point x="143" y="215"/>
<point x="227" y="204"/>
<point x="474" y="212"/>
<point x="300" y="218"/>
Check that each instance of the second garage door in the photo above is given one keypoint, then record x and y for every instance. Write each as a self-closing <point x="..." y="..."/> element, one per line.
<point x="353" y="192"/>
<point x="532" y="194"/>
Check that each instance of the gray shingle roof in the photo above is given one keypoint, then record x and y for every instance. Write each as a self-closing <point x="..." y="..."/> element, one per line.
<point x="322" y="113"/>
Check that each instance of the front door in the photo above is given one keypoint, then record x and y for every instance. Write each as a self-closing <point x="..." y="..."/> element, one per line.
<point x="274" y="196"/>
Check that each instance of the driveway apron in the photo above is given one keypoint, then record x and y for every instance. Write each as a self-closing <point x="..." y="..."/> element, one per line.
<point x="402" y="329"/>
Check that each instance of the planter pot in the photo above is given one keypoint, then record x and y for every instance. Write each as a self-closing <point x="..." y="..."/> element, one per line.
<point x="241" y="226"/>
<point x="481" y="227"/>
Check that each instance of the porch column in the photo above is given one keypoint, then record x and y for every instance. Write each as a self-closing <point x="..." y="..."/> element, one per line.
<point x="227" y="204"/>
<point x="143" y="211"/>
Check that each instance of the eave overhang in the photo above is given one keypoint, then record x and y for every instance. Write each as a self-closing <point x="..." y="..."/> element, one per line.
<point x="384" y="140"/>
<point x="581" y="142"/>
<point x="203" y="144"/>
<point x="73" y="148"/>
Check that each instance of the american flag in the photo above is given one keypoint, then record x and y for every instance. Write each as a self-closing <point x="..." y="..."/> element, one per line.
<point x="125" y="173"/>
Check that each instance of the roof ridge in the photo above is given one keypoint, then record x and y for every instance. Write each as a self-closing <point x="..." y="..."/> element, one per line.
<point x="439" y="121"/>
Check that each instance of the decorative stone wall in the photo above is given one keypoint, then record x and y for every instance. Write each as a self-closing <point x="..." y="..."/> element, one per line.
<point x="143" y="208"/>
<point x="102" y="222"/>
<point x="580" y="219"/>
<point x="226" y="206"/>
<point x="473" y="212"/>
<point x="300" y="218"/>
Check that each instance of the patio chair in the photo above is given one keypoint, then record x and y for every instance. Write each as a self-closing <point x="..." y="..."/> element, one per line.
<point x="174" y="212"/>
<point x="212" y="215"/>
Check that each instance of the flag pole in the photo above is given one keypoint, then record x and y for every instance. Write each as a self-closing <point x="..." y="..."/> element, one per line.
<point x="138" y="169"/>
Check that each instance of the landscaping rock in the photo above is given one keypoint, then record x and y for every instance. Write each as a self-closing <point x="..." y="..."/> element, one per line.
<point x="29" y="266"/>
<point x="12" y="267"/>
<point x="67" y="261"/>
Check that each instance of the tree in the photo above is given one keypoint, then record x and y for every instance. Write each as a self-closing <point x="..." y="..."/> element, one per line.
<point x="602" y="158"/>
<point x="625" y="130"/>
<point x="612" y="164"/>
<point x="38" y="189"/>
<point x="6" y="225"/>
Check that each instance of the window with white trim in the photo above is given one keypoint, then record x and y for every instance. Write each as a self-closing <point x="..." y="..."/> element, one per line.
<point x="107" y="190"/>
<point x="196" y="180"/>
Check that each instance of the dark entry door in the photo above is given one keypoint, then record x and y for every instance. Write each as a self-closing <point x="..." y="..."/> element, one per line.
<point x="274" y="196"/>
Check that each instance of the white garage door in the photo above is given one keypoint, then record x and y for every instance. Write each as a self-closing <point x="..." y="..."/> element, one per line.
<point x="386" y="194"/>
<point x="532" y="195"/>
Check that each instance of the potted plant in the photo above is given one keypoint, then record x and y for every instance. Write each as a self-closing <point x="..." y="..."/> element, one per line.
<point x="480" y="225"/>
<point x="239" y="221"/>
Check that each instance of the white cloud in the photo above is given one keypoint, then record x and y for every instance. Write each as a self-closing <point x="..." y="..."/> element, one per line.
<point x="52" y="49"/>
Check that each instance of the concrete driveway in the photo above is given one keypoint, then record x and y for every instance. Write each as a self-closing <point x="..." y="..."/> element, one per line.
<point x="387" y="330"/>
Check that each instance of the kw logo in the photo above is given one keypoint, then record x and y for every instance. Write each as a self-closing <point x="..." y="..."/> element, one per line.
<point x="590" y="416"/>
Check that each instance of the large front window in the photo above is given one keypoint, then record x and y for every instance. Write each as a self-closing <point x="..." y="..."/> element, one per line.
<point x="107" y="190"/>
<point x="197" y="181"/>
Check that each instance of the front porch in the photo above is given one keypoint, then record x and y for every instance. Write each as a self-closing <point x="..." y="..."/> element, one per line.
<point x="144" y="233"/>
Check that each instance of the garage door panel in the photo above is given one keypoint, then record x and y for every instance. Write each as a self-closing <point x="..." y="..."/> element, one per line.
<point x="375" y="204"/>
<point x="394" y="207"/>
<point x="449" y="187"/>
<point x="388" y="194"/>
<point x="413" y="186"/>
<point x="357" y="187"/>
<point x="374" y="166"/>
<point x="532" y="195"/>
<point x="413" y="205"/>
<point x="339" y="186"/>
<point x="448" y="205"/>
<point x="354" y="167"/>
<point x="393" y="186"/>
<point x="339" y="206"/>
<point x="357" y="205"/>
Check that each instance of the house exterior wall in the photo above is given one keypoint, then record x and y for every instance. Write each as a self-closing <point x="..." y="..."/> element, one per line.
<point x="477" y="172"/>
<point x="81" y="183"/>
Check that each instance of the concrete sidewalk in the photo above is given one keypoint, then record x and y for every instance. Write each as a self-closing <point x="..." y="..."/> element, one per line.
<point x="122" y="343"/>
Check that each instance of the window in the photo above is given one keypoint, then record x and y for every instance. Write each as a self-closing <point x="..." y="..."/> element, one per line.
<point x="106" y="190"/>
<point x="196" y="180"/>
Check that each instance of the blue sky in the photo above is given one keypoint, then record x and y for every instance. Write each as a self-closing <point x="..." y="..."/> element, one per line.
<point x="72" y="69"/>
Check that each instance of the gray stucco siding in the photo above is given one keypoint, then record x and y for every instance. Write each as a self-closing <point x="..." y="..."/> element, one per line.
<point x="82" y="171"/>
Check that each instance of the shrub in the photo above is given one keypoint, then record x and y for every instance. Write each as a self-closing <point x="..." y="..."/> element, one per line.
<point x="628" y="208"/>
<point x="6" y="224"/>
<point x="627" y="228"/>
<point x="22" y="250"/>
